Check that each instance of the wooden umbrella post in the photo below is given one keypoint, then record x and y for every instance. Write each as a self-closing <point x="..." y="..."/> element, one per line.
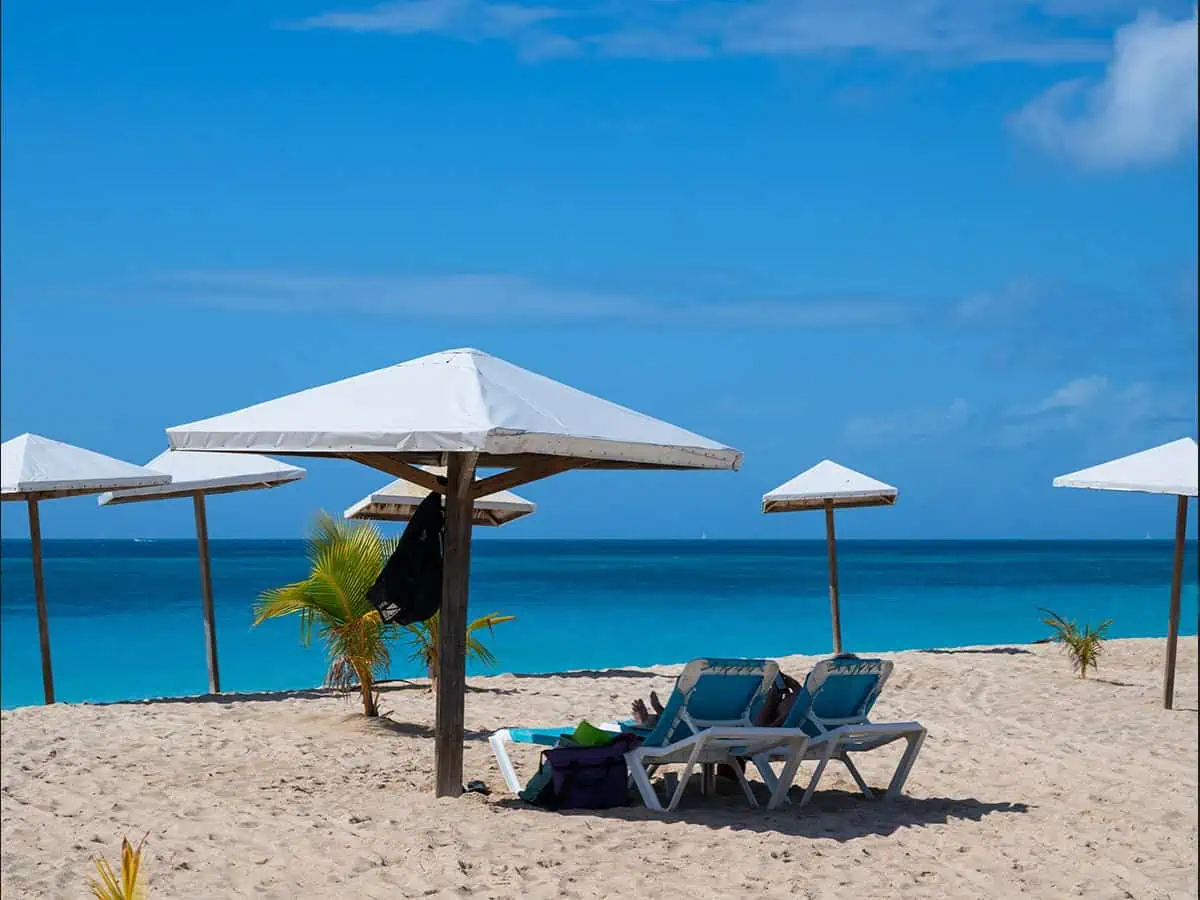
<point x="834" y="607"/>
<point x="1181" y="511"/>
<point x="39" y="590"/>
<point x="452" y="626"/>
<point x="206" y="595"/>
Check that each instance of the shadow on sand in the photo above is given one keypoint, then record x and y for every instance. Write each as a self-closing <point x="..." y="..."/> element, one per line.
<point x="1003" y="651"/>
<point x="834" y="815"/>
<point x="593" y="673"/>
<point x="384" y="687"/>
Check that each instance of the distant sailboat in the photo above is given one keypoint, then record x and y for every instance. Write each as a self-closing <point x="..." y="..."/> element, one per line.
<point x="704" y="535"/>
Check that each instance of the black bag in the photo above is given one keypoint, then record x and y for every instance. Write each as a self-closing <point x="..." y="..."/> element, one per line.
<point x="587" y="777"/>
<point x="409" y="589"/>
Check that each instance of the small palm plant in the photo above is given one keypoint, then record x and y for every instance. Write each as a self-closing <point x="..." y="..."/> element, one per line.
<point x="425" y="640"/>
<point x="346" y="559"/>
<point x="123" y="885"/>
<point x="1083" y="645"/>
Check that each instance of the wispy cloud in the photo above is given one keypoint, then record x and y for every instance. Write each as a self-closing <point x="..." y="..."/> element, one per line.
<point x="908" y="425"/>
<point x="949" y="30"/>
<point x="508" y="297"/>
<point x="1142" y="112"/>
<point x="1085" y="407"/>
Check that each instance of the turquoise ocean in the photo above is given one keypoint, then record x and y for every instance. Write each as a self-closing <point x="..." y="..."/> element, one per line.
<point x="125" y="618"/>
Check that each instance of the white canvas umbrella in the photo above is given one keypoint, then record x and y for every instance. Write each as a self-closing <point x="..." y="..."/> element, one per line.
<point x="398" y="501"/>
<point x="196" y="475"/>
<point x="465" y="410"/>
<point x="34" y="468"/>
<point x="829" y="486"/>
<point x="1166" y="469"/>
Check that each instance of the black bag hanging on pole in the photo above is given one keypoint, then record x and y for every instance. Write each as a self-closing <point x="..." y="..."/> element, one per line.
<point x="409" y="589"/>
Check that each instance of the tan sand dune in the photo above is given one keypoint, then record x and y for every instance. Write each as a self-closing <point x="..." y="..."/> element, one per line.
<point x="1031" y="783"/>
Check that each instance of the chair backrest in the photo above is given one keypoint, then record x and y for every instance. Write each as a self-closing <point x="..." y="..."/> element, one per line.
<point x="838" y="691"/>
<point x="710" y="692"/>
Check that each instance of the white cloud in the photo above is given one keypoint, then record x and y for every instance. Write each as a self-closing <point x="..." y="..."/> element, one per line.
<point x="1081" y="392"/>
<point x="979" y="30"/>
<point x="1086" y="409"/>
<point x="907" y="425"/>
<point x="1142" y="112"/>
<point x="507" y="297"/>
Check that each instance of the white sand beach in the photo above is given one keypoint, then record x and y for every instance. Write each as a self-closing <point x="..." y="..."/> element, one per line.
<point x="1031" y="783"/>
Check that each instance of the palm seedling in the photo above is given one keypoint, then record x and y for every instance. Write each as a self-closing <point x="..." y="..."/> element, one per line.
<point x="122" y="885"/>
<point x="425" y="641"/>
<point x="345" y="559"/>
<point x="1082" y="645"/>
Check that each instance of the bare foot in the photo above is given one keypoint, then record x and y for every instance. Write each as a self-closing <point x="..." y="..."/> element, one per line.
<point x="641" y="715"/>
<point x="656" y="703"/>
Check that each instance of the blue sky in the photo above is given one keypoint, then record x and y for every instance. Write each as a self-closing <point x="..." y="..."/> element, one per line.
<point x="950" y="244"/>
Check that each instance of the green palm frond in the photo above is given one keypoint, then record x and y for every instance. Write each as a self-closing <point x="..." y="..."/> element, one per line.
<point x="424" y="638"/>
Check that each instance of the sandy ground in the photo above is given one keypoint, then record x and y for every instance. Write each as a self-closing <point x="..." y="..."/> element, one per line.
<point x="1031" y="782"/>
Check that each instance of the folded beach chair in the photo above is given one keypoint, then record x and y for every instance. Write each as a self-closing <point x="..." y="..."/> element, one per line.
<point x="707" y="720"/>
<point x="544" y="737"/>
<point x="832" y="710"/>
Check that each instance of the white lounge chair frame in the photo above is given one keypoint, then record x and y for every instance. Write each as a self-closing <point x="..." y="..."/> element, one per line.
<point x="838" y="738"/>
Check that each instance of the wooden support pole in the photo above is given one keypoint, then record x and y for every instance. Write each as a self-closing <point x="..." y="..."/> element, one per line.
<point x="1181" y="511"/>
<point x="39" y="591"/>
<point x="206" y="595"/>
<point x="452" y="626"/>
<point x="834" y="608"/>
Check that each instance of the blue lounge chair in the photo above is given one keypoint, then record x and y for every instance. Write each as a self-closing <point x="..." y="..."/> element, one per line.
<point x="832" y="709"/>
<point x="707" y="720"/>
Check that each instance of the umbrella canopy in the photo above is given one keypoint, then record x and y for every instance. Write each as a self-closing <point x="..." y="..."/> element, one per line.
<point x="399" y="500"/>
<point x="207" y="473"/>
<point x="34" y="468"/>
<point x="829" y="486"/>
<point x="1166" y="469"/>
<point x="453" y="402"/>
<point x="37" y="468"/>
<point x="196" y="475"/>
<point x="465" y="410"/>
<point x="828" y="483"/>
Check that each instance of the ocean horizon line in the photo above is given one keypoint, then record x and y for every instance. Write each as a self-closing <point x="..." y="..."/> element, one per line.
<point x="646" y="540"/>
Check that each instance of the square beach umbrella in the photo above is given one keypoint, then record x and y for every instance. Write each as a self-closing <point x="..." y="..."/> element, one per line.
<point x="197" y="475"/>
<point x="1166" y="469"/>
<point x="829" y="486"/>
<point x="34" y="468"/>
<point x="465" y="410"/>
<point x="396" y="502"/>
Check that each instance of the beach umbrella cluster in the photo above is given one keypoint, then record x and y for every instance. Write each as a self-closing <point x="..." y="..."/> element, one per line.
<point x="34" y="468"/>
<point x="470" y="427"/>
<point x="197" y="475"/>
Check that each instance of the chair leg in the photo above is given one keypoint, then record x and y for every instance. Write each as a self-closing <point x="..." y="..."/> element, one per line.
<point x="779" y="791"/>
<point x="642" y="779"/>
<point x="858" y="779"/>
<point x="500" y="751"/>
<point x="687" y="773"/>
<point x="906" y="763"/>
<point x="816" y="778"/>
<point x="709" y="781"/>
<point x="745" y="785"/>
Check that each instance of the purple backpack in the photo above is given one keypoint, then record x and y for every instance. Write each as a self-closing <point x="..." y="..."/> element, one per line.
<point x="589" y="777"/>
